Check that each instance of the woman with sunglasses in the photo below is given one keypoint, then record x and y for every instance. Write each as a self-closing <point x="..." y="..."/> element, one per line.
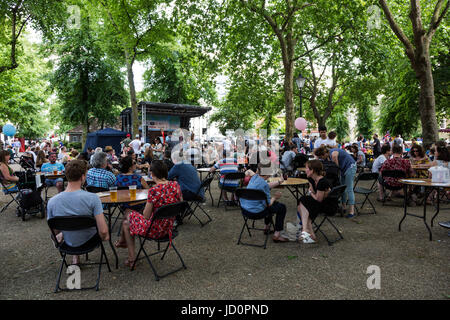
<point x="419" y="162"/>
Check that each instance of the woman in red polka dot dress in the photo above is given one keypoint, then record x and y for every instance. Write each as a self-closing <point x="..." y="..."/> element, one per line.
<point x="163" y="193"/>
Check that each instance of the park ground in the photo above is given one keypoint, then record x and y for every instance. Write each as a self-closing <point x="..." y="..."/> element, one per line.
<point x="411" y="266"/>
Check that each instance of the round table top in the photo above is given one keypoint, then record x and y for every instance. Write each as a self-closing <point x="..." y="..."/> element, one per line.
<point x="424" y="182"/>
<point x="291" y="181"/>
<point x="123" y="196"/>
<point x="51" y="175"/>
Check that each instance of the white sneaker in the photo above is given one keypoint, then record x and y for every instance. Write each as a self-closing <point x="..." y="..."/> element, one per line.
<point x="306" y="237"/>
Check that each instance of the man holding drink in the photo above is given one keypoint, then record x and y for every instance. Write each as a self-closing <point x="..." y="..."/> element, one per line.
<point x="53" y="167"/>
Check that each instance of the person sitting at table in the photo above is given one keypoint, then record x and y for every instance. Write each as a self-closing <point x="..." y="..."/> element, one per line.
<point x="317" y="201"/>
<point x="227" y="165"/>
<point x="287" y="160"/>
<point x="76" y="202"/>
<point x="258" y="208"/>
<point x="163" y="193"/>
<point x="347" y="167"/>
<point x="110" y="157"/>
<point x="418" y="158"/>
<point x="395" y="163"/>
<point x="168" y="160"/>
<point x="127" y="175"/>
<point x="148" y="155"/>
<point x="40" y="159"/>
<point x="7" y="174"/>
<point x="49" y="168"/>
<point x="442" y="158"/>
<point x="98" y="176"/>
<point x="187" y="176"/>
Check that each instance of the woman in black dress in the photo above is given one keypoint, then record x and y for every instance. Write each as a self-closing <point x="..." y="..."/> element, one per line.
<point x="317" y="202"/>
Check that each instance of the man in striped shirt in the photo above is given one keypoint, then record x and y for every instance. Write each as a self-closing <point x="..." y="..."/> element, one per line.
<point x="227" y="165"/>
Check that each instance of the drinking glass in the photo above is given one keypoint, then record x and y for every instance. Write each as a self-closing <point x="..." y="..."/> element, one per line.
<point x="113" y="193"/>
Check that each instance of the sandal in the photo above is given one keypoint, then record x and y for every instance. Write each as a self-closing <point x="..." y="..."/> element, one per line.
<point x="119" y="244"/>
<point x="280" y="239"/>
<point x="129" y="263"/>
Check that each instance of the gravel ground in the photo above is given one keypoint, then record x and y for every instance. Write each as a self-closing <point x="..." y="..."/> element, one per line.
<point x="412" y="267"/>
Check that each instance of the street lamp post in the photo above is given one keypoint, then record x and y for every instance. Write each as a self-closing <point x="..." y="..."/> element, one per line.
<point x="300" y="84"/>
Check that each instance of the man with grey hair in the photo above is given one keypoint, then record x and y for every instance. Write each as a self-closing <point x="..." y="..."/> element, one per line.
<point x="98" y="176"/>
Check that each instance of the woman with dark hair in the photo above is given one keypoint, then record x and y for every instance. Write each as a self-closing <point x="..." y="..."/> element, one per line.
<point x="163" y="193"/>
<point x="127" y="177"/>
<point x="317" y="201"/>
<point x="418" y="158"/>
<point x="7" y="174"/>
<point x="442" y="154"/>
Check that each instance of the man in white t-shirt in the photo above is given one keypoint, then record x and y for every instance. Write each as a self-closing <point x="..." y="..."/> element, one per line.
<point x="322" y="138"/>
<point x="136" y="145"/>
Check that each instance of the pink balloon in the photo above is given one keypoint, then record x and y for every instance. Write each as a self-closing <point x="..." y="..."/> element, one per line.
<point x="300" y="124"/>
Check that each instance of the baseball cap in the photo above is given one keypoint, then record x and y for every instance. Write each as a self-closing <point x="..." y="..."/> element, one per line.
<point x="128" y="135"/>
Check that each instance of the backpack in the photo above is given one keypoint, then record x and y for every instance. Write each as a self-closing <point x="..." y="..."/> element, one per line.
<point x="332" y="172"/>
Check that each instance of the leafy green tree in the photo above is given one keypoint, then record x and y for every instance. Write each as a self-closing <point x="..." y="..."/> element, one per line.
<point x="133" y="29"/>
<point x="15" y="15"/>
<point x="178" y="77"/>
<point x="23" y="94"/>
<point x="87" y="83"/>
<point x="416" y="40"/>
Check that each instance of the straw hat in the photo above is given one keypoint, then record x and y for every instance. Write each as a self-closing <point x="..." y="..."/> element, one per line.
<point x="108" y="149"/>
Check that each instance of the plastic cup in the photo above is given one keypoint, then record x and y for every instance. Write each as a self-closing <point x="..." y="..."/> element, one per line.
<point x="113" y="193"/>
<point x="132" y="190"/>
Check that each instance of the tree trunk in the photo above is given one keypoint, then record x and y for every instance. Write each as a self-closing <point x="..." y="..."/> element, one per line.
<point x="133" y="100"/>
<point x="427" y="105"/>
<point x="84" y="134"/>
<point x="289" y="101"/>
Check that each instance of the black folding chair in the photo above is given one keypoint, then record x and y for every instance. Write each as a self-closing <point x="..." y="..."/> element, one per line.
<point x="253" y="194"/>
<point x="12" y="194"/>
<point x="169" y="211"/>
<point x="396" y="174"/>
<point x="336" y="194"/>
<point x="75" y="223"/>
<point x="194" y="204"/>
<point x="229" y="177"/>
<point x="366" y="176"/>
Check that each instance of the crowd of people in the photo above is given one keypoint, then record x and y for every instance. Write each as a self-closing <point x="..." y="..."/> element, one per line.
<point x="175" y="178"/>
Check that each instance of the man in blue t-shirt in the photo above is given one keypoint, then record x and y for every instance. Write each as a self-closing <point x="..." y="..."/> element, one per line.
<point x="50" y="167"/>
<point x="76" y="202"/>
<point x="187" y="177"/>
<point x="259" y="208"/>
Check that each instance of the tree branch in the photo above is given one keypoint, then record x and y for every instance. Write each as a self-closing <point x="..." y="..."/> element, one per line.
<point x="436" y="19"/>
<point x="398" y="32"/>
